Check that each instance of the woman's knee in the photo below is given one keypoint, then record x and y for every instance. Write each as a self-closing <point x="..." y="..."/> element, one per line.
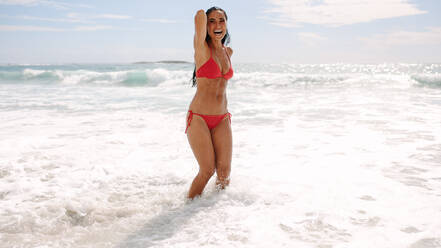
<point x="207" y="173"/>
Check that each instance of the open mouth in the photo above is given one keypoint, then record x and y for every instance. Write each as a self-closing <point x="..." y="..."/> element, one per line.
<point x="217" y="32"/>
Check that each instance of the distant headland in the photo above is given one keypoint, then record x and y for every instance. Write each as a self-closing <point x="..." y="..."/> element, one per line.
<point x="164" y="61"/>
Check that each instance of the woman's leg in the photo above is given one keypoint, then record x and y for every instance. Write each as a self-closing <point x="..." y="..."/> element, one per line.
<point x="223" y="148"/>
<point x="199" y="138"/>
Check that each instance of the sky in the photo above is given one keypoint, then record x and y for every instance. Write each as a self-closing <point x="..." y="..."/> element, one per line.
<point x="262" y="31"/>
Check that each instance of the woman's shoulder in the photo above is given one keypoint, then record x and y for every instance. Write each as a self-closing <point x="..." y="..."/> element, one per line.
<point x="229" y="51"/>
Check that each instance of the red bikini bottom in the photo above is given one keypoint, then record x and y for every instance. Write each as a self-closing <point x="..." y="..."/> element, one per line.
<point x="211" y="120"/>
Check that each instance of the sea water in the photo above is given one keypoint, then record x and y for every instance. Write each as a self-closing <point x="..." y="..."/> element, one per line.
<point x="324" y="155"/>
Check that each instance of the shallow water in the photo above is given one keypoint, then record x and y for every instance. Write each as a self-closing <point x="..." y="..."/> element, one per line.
<point x="323" y="156"/>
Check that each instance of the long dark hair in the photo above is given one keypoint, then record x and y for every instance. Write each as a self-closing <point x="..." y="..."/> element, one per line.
<point x="225" y="40"/>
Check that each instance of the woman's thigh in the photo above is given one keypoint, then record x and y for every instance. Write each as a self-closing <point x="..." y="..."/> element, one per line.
<point x="223" y="147"/>
<point x="199" y="137"/>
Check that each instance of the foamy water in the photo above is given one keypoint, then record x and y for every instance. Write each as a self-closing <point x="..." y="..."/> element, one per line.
<point x="323" y="156"/>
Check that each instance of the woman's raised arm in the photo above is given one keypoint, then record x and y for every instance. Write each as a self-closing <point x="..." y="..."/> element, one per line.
<point x="200" y="25"/>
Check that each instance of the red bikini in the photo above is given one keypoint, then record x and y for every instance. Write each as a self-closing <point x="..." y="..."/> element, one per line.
<point x="211" y="120"/>
<point x="211" y="70"/>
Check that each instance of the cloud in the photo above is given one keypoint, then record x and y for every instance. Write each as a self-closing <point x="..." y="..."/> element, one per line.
<point x="54" y="4"/>
<point x="431" y="36"/>
<point x="12" y="28"/>
<point x="159" y="20"/>
<point x="20" y="2"/>
<point x="310" y="39"/>
<point x="28" y="28"/>
<point x="92" y="28"/>
<point x="112" y="16"/>
<point x="78" y="16"/>
<point x="71" y="17"/>
<point x="334" y="13"/>
<point x="36" y="18"/>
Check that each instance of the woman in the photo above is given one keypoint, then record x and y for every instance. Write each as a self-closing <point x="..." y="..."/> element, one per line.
<point x="208" y="121"/>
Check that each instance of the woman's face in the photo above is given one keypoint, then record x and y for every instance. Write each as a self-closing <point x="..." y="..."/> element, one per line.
<point x="216" y="25"/>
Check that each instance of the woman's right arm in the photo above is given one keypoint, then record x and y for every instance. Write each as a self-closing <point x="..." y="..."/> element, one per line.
<point x="200" y="24"/>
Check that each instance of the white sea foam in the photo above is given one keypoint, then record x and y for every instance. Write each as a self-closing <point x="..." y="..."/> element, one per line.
<point x="33" y="72"/>
<point x="151" y="77"/>
<point x="323" y="156"/>
<point x="428" y="79"/>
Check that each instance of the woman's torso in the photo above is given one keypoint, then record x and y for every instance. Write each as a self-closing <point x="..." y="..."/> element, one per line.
<point x="210" y="97"/>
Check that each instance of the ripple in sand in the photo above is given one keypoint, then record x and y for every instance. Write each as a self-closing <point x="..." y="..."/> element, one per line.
<point x="427" y="243"/>
<point x="367" y="198"/>
<point x="315" y="231"/>
<point x="410" y="229"/>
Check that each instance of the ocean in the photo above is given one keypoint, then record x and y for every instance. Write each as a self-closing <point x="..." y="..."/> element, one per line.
<point x="324" y="155"/>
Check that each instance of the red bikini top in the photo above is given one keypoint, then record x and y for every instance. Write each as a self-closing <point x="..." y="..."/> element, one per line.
<point x="211" y="70"/>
